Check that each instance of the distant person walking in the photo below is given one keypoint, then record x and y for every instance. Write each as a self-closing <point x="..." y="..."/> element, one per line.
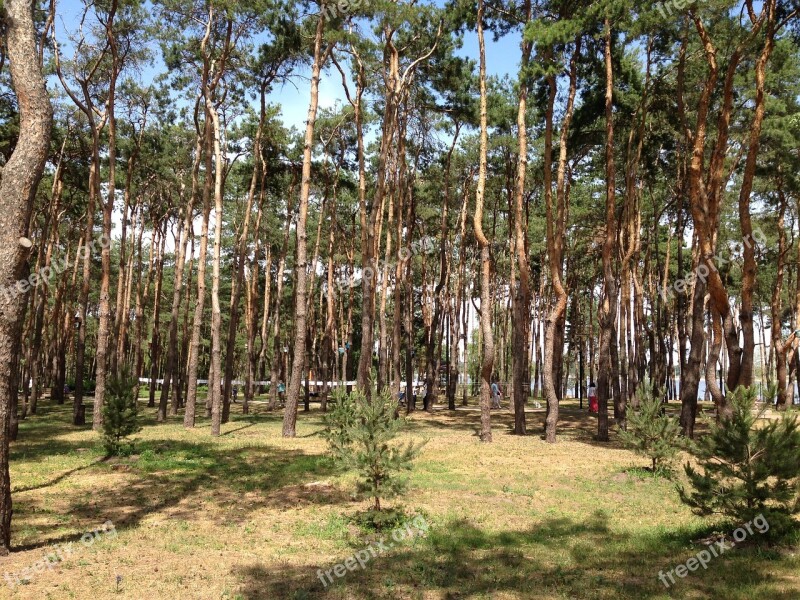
<point x="281" y="391"/>
<point x="591" y="391"/>
<point x="495" y="395"/>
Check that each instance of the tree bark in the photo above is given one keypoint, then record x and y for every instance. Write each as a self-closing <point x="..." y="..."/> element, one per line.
<point x="556" y="230"/>
<point x="780" y="347"/>
<point x="197" y="322"/>
<point x="487" y="356"/>
<point x="608" y="335"/>
<point x="186" y="231"/>
<point x="215" y="380"/>
<point x="18" y="183"/>
<point x="104" y="320"/>
<point x="301" y="273"/>
<point x="523" y="293"/>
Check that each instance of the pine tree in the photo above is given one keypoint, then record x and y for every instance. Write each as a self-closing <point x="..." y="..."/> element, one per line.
<point x="120" y="413"/>
<point x="747" y="468"/>
<point x="359" y="433"/>
<point x="651" y="432"/>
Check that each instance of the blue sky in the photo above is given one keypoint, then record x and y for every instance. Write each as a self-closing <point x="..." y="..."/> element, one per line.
<point x="502" y="57"/>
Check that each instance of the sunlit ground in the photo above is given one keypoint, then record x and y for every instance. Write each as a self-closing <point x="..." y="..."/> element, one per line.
<point x="251" y="515"/>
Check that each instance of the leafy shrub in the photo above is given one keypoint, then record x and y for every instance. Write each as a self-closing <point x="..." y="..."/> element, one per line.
<point x="651" y="432"/>
<point x="747" y="468"/>
<point x="120" y="414"/>
<point x="359" y="433"/>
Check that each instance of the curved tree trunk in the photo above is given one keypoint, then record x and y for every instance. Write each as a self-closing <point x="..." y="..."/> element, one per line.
<point x="18" y="183"/>
<point x="522" y="295"/>
<point x="556" y="228"/>
<point x="301" y="274"/>
<point x="216" y="376"/>
<point x="487" y="358"/>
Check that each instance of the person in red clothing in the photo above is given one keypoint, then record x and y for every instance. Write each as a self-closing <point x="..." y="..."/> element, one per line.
<point x="591" y="391"/>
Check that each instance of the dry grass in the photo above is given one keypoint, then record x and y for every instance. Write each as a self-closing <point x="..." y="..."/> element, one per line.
<point x="253" y="516"/>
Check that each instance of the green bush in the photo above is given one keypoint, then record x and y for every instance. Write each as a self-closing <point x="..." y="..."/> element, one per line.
<point x="747" y="468"/>
<point x="359" y="433"/>
<point x="652" y="433"/>
<point x="120" y="414"/>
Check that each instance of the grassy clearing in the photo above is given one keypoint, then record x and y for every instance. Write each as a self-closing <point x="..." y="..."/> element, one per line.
<point x="253" y="516"/>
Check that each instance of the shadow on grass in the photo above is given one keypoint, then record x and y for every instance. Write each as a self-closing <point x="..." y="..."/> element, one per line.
<point x="43" y="435"/>
<point x="168" y="472"/>
<point x="245" y="426"/>
<point x="168" y="476"/>
<point x="560" y="558"/>
<point x="58" y="479"/>
<point x="574" y="424"/>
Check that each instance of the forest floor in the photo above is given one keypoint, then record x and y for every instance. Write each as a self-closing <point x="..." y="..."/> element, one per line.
<point x="253" y="516"/>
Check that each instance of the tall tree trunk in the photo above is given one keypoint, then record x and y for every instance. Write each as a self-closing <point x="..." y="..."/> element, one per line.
<point x="251" y="306"/>
<point x="440" y="292"/>
<point x="186" y="231"/>
<point x="18" y="183"/>
<point x="125" y="280"/>
<point x="155" y="339"/>
<point x="50" y="230"/>
<point x="487" y="357"/>
<point x="301" y="273"/>
<point x="215" y="380"/>
<point x="276" y="317"/>
<point x="556" y="230"/>
<point x="749" y="252"/>
<point x="383" y="333"/>
<point x="78" y="417"/>
<point x="241" y="254"/>
<point x="371" y="240"/>
<point x="608" y="333"/>
<point x="522" y="295"/>
<point x="197" y="322"/>
<point x="104" y="320"/>
<point x="779" y="346"/>
<point x="457" y="301"/>
<point x="328" y="336"/>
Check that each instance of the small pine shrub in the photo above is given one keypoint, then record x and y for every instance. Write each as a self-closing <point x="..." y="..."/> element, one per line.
<point x="652" y="433"/>
<point x="380" y="520"/>
<point x="120" y="414"/>
<point x="359" y="433"/>
<point x="747" y="468"/>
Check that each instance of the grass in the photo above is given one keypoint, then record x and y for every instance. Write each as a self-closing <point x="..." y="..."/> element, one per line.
<point x="251" y="515"/>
